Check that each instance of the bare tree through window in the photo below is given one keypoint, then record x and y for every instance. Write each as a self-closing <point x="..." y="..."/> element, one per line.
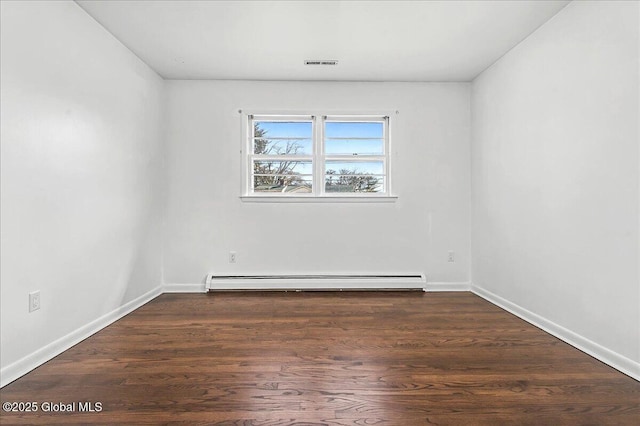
<point x="276" y="175"/>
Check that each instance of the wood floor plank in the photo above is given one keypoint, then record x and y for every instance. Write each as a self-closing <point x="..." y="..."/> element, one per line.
<point x="385" y="358"/>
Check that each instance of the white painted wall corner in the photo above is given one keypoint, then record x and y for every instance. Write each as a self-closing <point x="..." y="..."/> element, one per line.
<point x="28" y="363"/>
<point x="619" y="362"/>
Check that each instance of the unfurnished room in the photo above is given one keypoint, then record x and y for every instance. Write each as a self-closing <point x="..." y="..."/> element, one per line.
<point x="320" y="212"/>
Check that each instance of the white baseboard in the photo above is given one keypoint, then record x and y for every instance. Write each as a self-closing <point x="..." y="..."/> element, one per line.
<point x="184" y="288"/>
<point x="448" y="286"/>
<point x="21" y="367"/>
<point x="619" y="362"/>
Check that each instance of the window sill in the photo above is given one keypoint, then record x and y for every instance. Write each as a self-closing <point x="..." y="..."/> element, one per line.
<point x="324" y="199"/>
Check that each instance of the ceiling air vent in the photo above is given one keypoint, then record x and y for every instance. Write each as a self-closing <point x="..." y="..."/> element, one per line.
<point x="321" y="62"/>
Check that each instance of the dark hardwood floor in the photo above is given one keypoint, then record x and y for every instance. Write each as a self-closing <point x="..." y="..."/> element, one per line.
<point x="385" y="358"/>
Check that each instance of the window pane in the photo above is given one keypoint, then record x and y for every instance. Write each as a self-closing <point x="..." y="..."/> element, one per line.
<point x="354" y="146"/>
<point x="354" y="176"/>
<point x="354" y="167"/>
<point x="353" y="183"/>
<point x="269" y="167"/>
<point x="354" y="129"/>
<point x="282" y="146"/>
<point x="299" y="184"/>
<point x="283" y="129"/>
<point x="282" y="137"/>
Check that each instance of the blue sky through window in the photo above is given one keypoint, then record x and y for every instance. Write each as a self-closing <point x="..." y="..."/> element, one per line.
<point x="342" y="129"/>
<point x="341" y="137"/>
<point x="289" y="129"/>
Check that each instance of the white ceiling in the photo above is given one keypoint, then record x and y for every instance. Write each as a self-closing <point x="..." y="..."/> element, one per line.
<point x="372" y="40"/>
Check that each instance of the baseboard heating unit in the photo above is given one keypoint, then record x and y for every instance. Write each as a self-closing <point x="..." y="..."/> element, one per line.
<point x="315" y="282"/>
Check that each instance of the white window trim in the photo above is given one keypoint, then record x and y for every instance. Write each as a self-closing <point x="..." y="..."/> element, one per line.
<point x="318" y="119"/>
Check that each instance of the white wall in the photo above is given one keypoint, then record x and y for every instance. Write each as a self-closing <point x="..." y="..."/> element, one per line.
<point x="555" y="178"/>
<point x="81" y="175"/>
<point x="554" y="162"/>
<point x="205" y="217"/>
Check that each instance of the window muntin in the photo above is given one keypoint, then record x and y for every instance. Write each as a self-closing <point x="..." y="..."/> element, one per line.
<point x="314" y="156"/>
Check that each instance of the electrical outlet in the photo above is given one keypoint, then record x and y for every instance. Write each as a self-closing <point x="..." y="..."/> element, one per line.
<point x="34" y="301"/>
<point x="451" y="257"/>
<point x="232" y="257"/>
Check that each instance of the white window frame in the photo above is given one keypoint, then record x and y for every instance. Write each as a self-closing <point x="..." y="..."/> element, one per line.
<point x="317" y="157"/>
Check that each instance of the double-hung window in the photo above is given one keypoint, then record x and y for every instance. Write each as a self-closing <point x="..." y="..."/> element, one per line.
<point x="317" y="156"/>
